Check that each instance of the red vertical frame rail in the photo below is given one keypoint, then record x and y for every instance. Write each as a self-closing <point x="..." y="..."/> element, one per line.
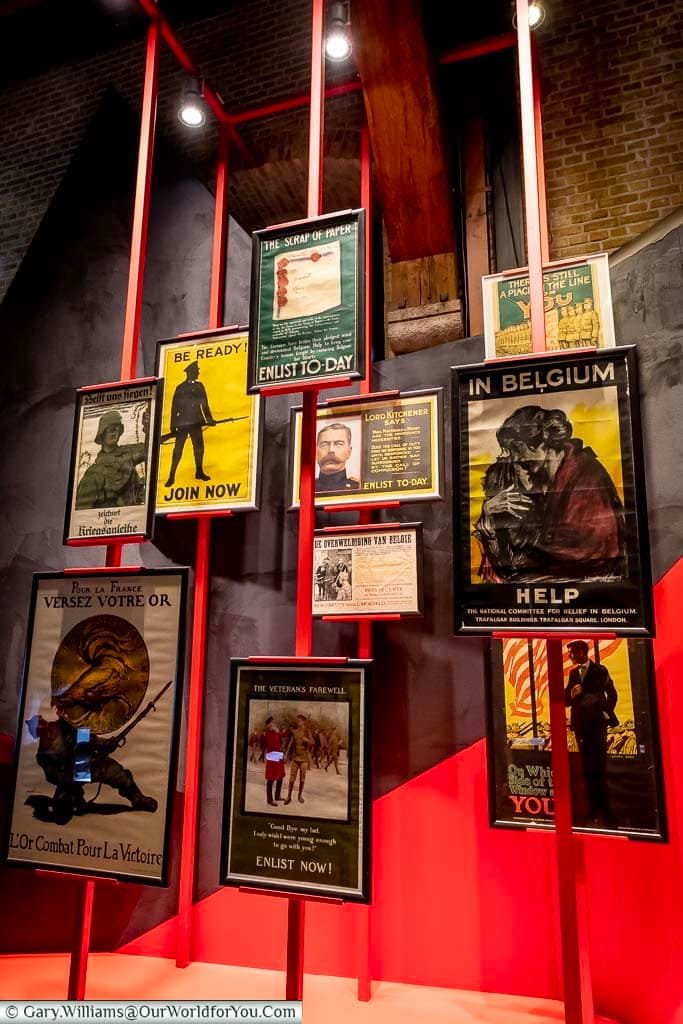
<point x="78" y="965"/>
<point x="364" y="970"/>
<point x="195" y="707"/>
<point x="304" y="593"/>
<point x="576" y="977"/>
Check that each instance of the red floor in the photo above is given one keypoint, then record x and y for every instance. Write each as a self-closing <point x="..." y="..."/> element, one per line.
<point x="326" y="1000"/>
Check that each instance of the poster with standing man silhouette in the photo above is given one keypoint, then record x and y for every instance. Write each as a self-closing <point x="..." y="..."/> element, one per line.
<point x="210" y="443"/>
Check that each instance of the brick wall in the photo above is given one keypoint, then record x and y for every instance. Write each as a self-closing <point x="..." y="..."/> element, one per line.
<point x="255" y="52"/>
<point x="613" y="119"/>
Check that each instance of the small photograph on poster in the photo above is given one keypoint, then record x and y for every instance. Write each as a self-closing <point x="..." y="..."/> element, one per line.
<point x="612" y="732"/>
<point x="368" y="570"/>
<point x="97" y="735"/>
<point x="296" y="806"/>
<point x="113" y="463"/>
<point x="550" y="505"/>
<point x="368" y="451"/>
<point x="297" y="759"/>
<point x="578" y="308"/>
<point x="210" y="443"/>
<point x="307" y="302"/>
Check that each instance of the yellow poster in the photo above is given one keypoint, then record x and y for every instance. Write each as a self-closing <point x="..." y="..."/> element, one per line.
<point x="210" y="428"/>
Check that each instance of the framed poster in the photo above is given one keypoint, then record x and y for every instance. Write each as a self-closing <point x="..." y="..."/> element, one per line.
<point x="368" y="570"/>
<point x="113" y="462"/>
<point x="210" y="443"/>
<point x="578" y="308"/>
<point x="374" y="450"/>
<point x="307" y="308"/>
<point x="549" y="496"/>
<point x="98" y="724"/>
<point x="612" y="729"/>
<point x="296" y="814"/>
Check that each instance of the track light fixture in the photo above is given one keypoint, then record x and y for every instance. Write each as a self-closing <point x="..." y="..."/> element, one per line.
<point x="537" y="15"/>
<point x="192" y="111"/>
<point x="338" y="36"/>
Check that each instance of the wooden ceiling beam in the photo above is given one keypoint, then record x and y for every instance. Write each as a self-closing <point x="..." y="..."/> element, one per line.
<point x="402" y="108"/>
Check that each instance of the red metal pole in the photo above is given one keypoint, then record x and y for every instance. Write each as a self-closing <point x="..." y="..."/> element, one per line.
<point x="365" y="628"/>
<point x="78" y="966"/>
<point x="317" y="113"/>
<point x="529" y="162"/>
<point x="193" y="745"/>
<point x="540" y="161"/>
<point x="304" y="593"/>
<point x="220" y="233"/>
<point x="143" y="188"/>
<point x="202" y="588"/>
<point x="578" y="997"/>
<point x="468" y="51"/>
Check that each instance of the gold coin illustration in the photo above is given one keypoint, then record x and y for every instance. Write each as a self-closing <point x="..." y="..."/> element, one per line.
<point x="100" y="674"/>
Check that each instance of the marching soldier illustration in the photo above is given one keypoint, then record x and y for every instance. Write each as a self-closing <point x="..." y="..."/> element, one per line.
<point x="589" y="331"/>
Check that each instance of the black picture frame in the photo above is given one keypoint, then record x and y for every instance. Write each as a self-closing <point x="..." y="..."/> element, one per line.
<point x="336" y="537"/>
<point x="314" y="230"/>
<point x="371" y="406"/>
<point x="488" y="607"/>
<point x="96" y="576"/>
<point x="146" y="521"/>
<point x="197" y="339"/>
<point x="539" y="816"/>
<point x="354" y="833"/>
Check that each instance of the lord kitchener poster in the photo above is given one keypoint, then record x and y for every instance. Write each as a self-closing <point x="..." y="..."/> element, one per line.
<point x="97" y="732"/>
<point x="549" y="501"/>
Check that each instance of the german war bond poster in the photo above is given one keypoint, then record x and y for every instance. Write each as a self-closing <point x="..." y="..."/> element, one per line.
<point x="368" y="570"/>
<point x="297" y="801"/>
<point x="210" y="444"/>
<point x="612" y="730"/>
<point x="113" y="463"/>
<point x="307" y="301"/>
<point x="97" y="734"/>
<point x="549" y="503"/>
<point x="377" y="450"/>
<point x="577" y="302"/>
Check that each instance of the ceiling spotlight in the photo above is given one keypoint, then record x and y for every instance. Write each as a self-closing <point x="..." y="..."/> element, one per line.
<point x="192" y="111"/>
<point x="537" y="15"/>
<point x="338" y="37"/>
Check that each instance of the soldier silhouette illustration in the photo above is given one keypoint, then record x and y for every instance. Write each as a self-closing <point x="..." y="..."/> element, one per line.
<point x="189" y="413"/>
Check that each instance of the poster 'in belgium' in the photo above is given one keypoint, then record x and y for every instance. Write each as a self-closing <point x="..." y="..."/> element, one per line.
<point x="549" y="496"/>
<point x="96" y="743"/>
<point x="210" y="444"/>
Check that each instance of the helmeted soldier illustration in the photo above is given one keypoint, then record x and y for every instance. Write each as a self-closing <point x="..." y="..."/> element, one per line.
<point x="112" y="479"/>
<point x="189" y="413"/>
<point x="100" y="675"/>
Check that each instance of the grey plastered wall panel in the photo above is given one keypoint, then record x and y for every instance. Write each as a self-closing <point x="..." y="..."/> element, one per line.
<point x="647" y="294"/>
